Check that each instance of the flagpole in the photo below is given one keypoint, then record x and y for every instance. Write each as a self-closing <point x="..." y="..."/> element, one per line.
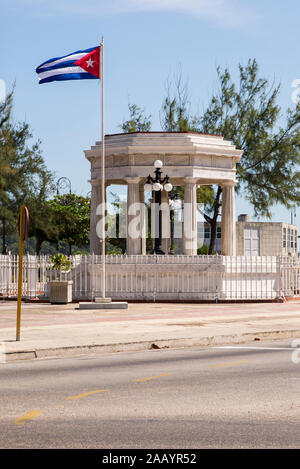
<point x="103" y="169"/>
<point x="102" y="303"/>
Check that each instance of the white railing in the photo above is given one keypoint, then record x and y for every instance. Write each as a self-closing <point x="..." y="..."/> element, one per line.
<point x="154" y="278"/>
<point x="251" y="277"/>
<point x="158" y="277"/>
<point x="290" y="276"/>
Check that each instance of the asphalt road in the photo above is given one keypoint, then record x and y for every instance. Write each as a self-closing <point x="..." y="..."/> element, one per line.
<point x="244" y="396"/>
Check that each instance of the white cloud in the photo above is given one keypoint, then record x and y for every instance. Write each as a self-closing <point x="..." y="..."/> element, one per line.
<point x="226" y="13"/>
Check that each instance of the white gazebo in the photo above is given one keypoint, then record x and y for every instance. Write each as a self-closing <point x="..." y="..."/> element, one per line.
<point x="190" y="159"/>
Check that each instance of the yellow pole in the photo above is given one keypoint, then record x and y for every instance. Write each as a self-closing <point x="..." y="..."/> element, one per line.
<point x="21" y="243"/>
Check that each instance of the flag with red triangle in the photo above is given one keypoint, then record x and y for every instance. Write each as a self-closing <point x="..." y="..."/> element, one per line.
<point x="79" y="65"/>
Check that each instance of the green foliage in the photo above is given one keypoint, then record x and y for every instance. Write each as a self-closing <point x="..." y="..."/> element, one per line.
<point x="113" y="250"/>
<point x="175" y="112"/>
<point x="203" y="250"/>
<point x="84" y="251"/>
<point x="248" y="114"/>
<point x="42" y="218"/>
<point x="137" y="122"/>
<point x="71" y="215"/>
<point x="115" y="244"/>
<point x="205" y="194"/>
<point x="24" y="178"/>
<point x="60" y="262"/>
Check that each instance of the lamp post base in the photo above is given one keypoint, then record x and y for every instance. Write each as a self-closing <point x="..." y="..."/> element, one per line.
<point x="159" y="252"/>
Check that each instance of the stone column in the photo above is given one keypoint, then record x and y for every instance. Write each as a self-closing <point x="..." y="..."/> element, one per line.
<point x="144" y="228"/>
<point x="228" y="220"/>
<point x="165" y="209"/>
<point x="190" y="217"/>
<point x="133" y="242"/>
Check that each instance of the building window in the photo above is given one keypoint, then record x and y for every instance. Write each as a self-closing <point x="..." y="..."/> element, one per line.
<point x="284" y="238"/>
<point x="292" y="238"/>
<point x="207" y="232"/>
<point x="200" y="231"/>
<point x="219" y="232"/>
<point x="288" y="238"/>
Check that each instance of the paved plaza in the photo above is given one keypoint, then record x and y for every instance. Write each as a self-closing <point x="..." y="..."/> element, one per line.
<point x="53" y="330"/>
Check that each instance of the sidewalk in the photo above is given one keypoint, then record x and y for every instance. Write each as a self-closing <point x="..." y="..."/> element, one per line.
<point x="58" y="331"/>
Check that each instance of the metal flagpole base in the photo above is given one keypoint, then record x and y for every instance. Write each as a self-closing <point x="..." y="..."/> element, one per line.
<point x="102" y="300"/>
<point x="104" y="303"/>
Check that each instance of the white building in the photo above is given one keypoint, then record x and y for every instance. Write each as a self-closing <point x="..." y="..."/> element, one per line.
<point x="256" y="238"/>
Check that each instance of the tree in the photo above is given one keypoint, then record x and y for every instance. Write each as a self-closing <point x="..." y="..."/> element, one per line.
<point x="72" y="218"/>
<point x="249" y="115"/>
<point x="6" y="171"/>
<point x="43" y="224"/>
<point x="175" y="115"/>
<point x="137" y="122"/>
<point x="22" y="168"/>
<point x="115" y="243"/>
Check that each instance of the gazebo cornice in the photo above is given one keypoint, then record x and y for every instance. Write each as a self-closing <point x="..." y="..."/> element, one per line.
<point x="165" y="143"/>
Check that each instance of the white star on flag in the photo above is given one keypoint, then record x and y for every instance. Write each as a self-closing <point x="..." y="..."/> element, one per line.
<point x="90" y="62"/>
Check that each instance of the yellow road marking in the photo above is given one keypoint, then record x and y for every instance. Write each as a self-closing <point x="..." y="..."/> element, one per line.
<point x="79" y="396"/>
<point x="26" y="417"/>
<point x="229" y="364"/>
<point x="152" y="377"/>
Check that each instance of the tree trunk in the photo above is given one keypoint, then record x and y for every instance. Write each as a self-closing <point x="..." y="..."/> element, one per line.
<point x="213" y="235"/>
<point x="38" y="246"/>
<point x="214" y="219"/>
<point x="4" y="247"/>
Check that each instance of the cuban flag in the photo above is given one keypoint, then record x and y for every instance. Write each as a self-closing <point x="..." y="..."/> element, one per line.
<point x="80" y="65"/>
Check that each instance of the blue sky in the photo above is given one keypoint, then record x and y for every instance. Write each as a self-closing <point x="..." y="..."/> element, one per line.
<point x="146" y="41"/>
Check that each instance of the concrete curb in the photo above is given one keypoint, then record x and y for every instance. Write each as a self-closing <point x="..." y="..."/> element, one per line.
<point x="73" y="351"/>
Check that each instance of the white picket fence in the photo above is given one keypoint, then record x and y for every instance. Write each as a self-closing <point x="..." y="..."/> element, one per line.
<point x="154" y="278"/>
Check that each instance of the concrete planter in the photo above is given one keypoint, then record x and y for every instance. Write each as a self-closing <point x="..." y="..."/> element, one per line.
<point x="61" y="291"/>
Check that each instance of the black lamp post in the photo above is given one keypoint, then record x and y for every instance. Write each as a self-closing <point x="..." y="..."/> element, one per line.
<point x="157" y="187"/>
